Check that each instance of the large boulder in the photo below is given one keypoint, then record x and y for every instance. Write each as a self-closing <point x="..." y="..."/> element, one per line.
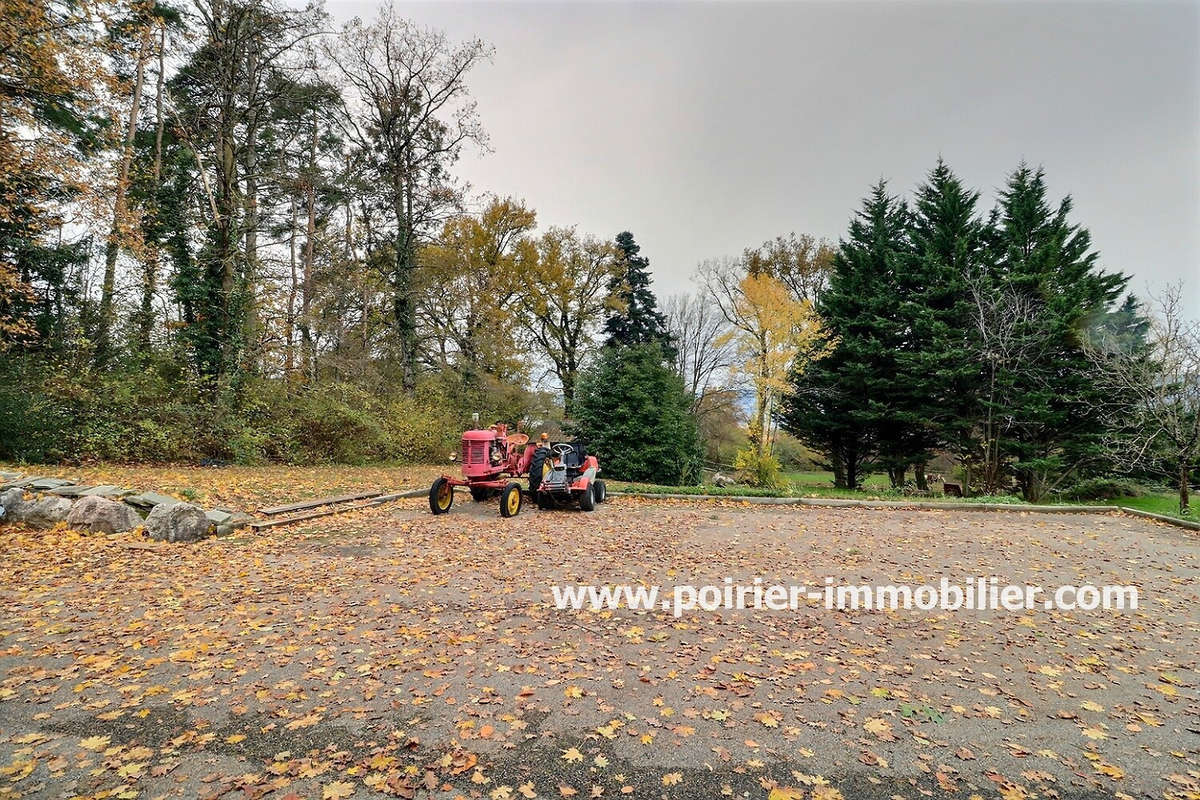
<point x="14" y="504"/>
<point x="101" y="515"/>
<point x="48" y="512"/>
<point x="180" y="522"/>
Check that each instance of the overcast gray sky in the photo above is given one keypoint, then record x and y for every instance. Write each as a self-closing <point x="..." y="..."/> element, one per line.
<point x="704" y="128"/>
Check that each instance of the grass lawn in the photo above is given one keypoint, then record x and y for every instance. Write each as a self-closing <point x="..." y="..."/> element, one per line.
<point x="1165" y="504"/>
<point x="876" y="487"/>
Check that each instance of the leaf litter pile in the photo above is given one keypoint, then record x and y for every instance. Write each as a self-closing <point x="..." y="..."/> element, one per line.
<point x="391" y="653"/>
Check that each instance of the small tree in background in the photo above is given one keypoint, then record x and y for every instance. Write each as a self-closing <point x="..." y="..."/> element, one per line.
<point x="633" y="412"/>
<point x="637" y="319"/>
<point x="1161" y="434"/>
<point x="772" y="334"/>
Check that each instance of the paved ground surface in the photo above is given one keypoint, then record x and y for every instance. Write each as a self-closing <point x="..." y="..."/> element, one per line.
<point x="393" y="653"/>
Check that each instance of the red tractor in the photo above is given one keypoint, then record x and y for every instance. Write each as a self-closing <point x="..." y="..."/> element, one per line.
<point x="560" y="474"/>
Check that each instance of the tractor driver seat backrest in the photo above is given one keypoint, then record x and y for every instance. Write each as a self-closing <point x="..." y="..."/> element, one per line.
<point x="576" y="457"/>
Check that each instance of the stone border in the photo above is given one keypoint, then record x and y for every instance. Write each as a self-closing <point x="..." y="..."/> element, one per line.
<point x="917" y="505"/>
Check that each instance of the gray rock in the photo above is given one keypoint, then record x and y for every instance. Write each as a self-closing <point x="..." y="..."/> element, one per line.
<point x="14" y="504"/>
<point x="722" y="480"/>
<point x="178" y="522"/>
<point x="10" y="476"/>
<point x="101" y="515"/>
<point x="45" y="484"/>
<point x="69" y="491"/>
<point x="219" y="516"/>
<point x="105" y="490"/>
<point x="150" y="500"/>
<point x="48" y="512"/>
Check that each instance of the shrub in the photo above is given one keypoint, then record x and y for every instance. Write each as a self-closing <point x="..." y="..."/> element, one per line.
<point x="1104" y="489"/>
<point x="758" y="470"/>
<point x="154" y="413"/>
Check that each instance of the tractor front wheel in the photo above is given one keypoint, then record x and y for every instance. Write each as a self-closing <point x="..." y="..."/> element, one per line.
<point x="510" y="500"/>
<point x="441" y="496"/>
<point x="601" y="491"/>
<point x="587" y="498"/>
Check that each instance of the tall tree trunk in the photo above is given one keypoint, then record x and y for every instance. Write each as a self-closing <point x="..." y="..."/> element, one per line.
<point x="251" y="323"/>
<point x="112" y="246"/>
<point x="852" y="464"/>
<point x="289" y="330"/>
<point x="150" y="268"/>
<point x="403" y="307"/>
<point x="309" y="352"/>
<point x="1184" y="477"/>
<point x="838" y="464"/>
<point x="920" y="476"/>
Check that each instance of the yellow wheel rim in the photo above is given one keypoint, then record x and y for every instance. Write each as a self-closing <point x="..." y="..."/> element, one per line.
<point x="514" y="501"/>
<point x="443" y="498"/>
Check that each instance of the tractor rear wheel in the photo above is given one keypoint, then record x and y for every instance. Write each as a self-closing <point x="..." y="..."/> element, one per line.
<point x="511" y="500"/>
<point x="587" y="498"/>
<point x="537" y="465"/>
<point x="601" y="491"/>
<point x="441" y="496"/>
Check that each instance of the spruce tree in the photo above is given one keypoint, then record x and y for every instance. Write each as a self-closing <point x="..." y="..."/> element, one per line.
<point x="638" y="321"/>
<point x="842" y="405"/>
<point x="1055" y="434"/>
<point x="938" y="374"/>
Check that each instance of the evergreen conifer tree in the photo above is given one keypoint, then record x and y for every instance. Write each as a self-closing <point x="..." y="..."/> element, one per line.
<point x="638" y="321"/>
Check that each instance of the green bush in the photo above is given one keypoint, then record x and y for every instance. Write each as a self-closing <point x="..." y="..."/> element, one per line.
<point x="753" y="469"/>
<point x="65" y="413"/>
<point x="1104" y="489"/>
<point x="633" y="413"/>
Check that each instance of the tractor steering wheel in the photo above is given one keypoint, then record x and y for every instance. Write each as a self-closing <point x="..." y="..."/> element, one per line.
<point x="562" y="449"/>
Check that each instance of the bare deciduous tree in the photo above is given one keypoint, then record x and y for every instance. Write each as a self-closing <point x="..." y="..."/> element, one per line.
<point x="701" y="353"/>
<point x="1163" y="433"/>
<point x="411" y="115"/>
<point x="1006" y="335"/>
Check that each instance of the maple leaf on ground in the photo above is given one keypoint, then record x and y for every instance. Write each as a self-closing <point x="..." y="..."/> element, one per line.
<point x="572" y="755"/>
<point x="785" y="793"/>
<point x="881" y="728"/>
<point x="826" y="793"/>
<point x="672" y="778"/>
<point x="337" y="790"/>
<point x="95" y="742"/>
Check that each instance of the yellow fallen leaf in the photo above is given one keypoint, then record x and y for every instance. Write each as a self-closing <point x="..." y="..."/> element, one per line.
<point x="337" y="790"/>
<point x="786" y="793"/>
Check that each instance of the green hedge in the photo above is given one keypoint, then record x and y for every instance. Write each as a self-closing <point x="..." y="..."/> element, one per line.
<point x="53" y="413"/>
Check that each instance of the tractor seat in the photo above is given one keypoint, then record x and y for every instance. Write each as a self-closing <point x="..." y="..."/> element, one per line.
<point x="575" y="458"/>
